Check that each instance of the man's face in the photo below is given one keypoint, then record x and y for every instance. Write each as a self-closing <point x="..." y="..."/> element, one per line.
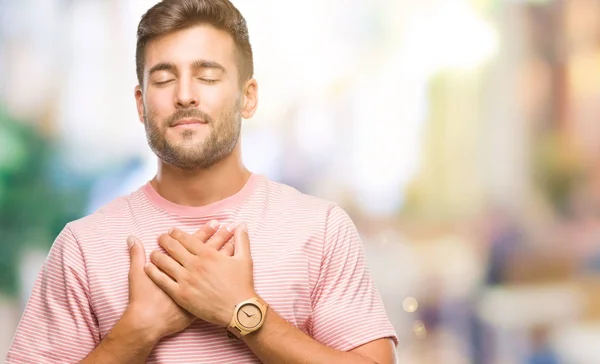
<point x="191" y="103"/>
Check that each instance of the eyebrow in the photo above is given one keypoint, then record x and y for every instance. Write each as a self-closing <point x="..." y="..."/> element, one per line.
<point x="171" y="67"/>
<point x="208" y="64"/>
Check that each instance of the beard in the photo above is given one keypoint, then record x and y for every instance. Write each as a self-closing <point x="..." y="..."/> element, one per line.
<point x="191" y="153"/>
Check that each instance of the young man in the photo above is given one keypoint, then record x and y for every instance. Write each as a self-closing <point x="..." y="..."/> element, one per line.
<point x="240" y="269"/>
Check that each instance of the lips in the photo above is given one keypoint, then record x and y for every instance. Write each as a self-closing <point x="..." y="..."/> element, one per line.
<point x="188" y="122"/>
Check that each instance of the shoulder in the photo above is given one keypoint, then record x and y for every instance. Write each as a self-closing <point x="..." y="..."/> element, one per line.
<point x="286" y="200"/>
<point x="116" y="214"/>
<point x="281" y="196"/>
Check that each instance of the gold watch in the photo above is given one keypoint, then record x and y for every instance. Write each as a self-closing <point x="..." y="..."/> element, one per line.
<point x="248" y="316"/>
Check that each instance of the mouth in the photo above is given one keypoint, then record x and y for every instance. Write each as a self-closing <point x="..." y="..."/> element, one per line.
<point x="188" y="123"/>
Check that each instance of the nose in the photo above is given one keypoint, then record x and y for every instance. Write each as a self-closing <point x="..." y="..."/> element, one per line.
<point x="186" y="95"/>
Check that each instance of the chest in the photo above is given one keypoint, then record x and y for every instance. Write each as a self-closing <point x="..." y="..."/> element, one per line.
<point x="286" y="267"/>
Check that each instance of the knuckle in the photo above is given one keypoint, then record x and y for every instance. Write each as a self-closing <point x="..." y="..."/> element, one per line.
<point x="211" y="255"/>
<point x="163" y="239"/>
<point x="198" y="266"/>
<point x="168" y="246"/>
<point x="215" y="242"/>
<point x="202" y="236"/>
<point x="186" y="279"/>
<point x="174" y="232"/>
<point x="186" y="240"/>
<point x="184" y="294"/>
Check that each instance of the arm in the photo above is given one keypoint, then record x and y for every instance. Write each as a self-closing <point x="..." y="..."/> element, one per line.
<point x="124" y="344"/>
<point x="278" y="341"/>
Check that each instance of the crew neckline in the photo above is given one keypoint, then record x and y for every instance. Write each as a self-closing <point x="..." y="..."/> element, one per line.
<point x="197" y="211"/>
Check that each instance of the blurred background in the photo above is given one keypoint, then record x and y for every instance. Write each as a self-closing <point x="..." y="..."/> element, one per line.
<point x="462" y="136"/>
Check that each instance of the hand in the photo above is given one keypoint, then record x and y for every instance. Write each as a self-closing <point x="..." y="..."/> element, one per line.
<point x="206" y="283"/>
<point x="150" y="309"/>
<point x="220" y="240"/>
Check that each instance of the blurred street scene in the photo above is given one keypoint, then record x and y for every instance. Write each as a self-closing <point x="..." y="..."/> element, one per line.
<point x="462" y="136"/>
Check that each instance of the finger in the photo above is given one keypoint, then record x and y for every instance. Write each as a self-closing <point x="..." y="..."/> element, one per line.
<point x="207" y="230"/>
<point x="241" y="242"/>
<point x="174" y="248"/>
<point x="189" y="242"/>
<point x="228" y="248"/>
<point x="137" y="255"/>
<point x="221" y="237"/>
<point x="168" y="265"/>
<point x="161" y="279"/>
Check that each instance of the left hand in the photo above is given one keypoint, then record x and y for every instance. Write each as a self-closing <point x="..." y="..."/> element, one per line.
<point x="202" y="280"/>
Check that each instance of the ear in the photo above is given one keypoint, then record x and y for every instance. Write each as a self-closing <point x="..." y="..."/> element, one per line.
<point x="250" y="99"/>
<point x="139" y="101"/>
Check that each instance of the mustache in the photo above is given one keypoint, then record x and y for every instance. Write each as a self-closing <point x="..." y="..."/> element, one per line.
<point x="188" y="114"/>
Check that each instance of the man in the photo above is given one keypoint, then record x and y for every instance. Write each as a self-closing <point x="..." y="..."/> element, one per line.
<point x="271" y="275"/>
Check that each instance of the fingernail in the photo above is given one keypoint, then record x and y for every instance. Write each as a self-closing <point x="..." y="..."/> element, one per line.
<point x="130" y="241"/>
<point x="244" y="227"/>
<point x="231" y="227"/>
<point x="170" y="231"/>
<point x="214" y="224"/>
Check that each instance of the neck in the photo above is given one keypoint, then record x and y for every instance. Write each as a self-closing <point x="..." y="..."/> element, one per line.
<point x="201" y="187"/>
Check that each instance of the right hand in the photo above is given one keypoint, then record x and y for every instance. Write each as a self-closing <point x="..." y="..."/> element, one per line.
<point x="150" y="309"/>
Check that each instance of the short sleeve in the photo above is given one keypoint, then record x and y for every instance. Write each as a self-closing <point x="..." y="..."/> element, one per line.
<point x="58" y="325"/>
<point x="347" y="308"/>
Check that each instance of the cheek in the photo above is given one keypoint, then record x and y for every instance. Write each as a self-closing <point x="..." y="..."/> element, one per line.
<point x="216" y="99"/>
<point x="158" y="105"/>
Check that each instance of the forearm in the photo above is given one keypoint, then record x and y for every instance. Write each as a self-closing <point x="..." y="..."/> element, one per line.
<point x="280" y="342"/>
<point x="123" y="344"/>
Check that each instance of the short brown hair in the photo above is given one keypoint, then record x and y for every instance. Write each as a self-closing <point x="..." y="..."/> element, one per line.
<point x="171" y="15"/>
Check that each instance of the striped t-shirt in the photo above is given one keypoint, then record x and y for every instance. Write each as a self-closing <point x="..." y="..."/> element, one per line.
<point x="309" y="265"/>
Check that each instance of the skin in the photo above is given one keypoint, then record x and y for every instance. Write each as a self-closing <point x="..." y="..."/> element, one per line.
<point x="192" y="74"/>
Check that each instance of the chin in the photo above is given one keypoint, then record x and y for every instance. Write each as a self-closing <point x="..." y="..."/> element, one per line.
<point x="187" y="140"/>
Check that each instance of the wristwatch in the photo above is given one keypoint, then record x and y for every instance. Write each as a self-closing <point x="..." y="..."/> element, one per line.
<point x="248" y="316"/>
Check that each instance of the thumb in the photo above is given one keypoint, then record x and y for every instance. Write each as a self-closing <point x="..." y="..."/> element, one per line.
<point x="137" y="254"/>
<point x="241" y="242"/>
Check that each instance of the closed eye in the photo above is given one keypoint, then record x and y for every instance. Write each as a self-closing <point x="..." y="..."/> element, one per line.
<point x="160" y="83"/>
<point x="208" y="80"/>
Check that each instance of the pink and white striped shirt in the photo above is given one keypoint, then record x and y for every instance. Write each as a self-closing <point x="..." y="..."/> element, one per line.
<point x="309" y="265"/>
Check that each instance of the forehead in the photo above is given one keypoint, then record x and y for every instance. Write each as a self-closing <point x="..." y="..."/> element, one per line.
<point x="183" y="47"/>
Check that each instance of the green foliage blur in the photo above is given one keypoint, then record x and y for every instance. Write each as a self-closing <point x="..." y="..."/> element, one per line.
<point x="34" y="204"/>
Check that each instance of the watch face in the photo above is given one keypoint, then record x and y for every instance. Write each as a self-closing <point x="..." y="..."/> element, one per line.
<point x="249" y="315"/>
